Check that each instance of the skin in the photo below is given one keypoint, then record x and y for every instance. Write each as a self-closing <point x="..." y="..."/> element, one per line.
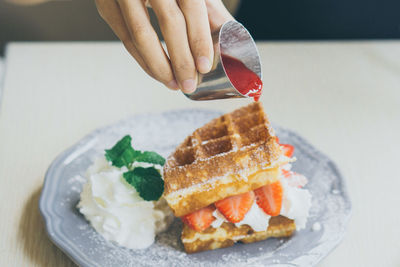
<point x="186" y="26"/>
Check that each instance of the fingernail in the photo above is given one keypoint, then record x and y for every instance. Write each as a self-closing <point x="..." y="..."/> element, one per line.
<point x="173" y="85"/>
<point x="204" y="65"/>
<point x="188" y="86"/>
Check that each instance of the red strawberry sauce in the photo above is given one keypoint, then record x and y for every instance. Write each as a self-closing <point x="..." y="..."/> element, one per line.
<point x="243" y="79"/>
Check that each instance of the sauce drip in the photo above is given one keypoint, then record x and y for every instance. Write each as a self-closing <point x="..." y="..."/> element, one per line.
<point x="243" y="79"/>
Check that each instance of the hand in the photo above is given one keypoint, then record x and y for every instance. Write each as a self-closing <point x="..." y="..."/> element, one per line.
<point x="186" y="26"/>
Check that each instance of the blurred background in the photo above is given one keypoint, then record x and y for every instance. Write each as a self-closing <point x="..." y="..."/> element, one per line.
<point x="77" y="20"/>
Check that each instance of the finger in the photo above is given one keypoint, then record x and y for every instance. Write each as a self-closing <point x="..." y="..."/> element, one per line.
<point x="110" y="12"/>
<point x="199" y="34"/>
<point x="173" y="28"/>
<point x="146" y="41"/>
<point x="217" y="14"/>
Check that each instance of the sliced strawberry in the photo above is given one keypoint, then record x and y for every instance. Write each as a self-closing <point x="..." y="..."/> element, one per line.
<point x="200" y="219"/>
<point x="235" y="208"/>
<point x="269" y="198"/>
<point x="287" y="150"/>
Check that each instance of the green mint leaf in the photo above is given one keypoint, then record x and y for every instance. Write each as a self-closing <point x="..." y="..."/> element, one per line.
<point x="122" y="154"/>
<point x="147" y="182"/>
<point x="150" y="157"/>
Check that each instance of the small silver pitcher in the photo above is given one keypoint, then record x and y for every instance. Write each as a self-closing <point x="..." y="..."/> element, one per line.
<point x="234" y="40"/>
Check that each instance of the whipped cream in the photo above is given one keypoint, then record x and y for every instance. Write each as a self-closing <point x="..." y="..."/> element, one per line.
<point x="116" y="211"/>
<point x="256" y="218"/>
<point x="296" y="203"/>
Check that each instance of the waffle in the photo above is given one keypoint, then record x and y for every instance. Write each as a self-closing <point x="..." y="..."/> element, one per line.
<point x="227" y="234"/>
<point x="230" y="155"/>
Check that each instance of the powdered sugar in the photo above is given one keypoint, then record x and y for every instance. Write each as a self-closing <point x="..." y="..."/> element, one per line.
<point x="316" y="227"/>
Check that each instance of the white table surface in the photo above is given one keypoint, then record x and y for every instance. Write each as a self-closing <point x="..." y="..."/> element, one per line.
<point x="343" y="97"/>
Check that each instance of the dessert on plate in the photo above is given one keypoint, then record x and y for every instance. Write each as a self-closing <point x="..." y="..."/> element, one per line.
<point x="230" y="181"/>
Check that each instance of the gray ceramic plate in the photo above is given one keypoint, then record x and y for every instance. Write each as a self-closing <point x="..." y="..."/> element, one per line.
<point x="69" y="230"/>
